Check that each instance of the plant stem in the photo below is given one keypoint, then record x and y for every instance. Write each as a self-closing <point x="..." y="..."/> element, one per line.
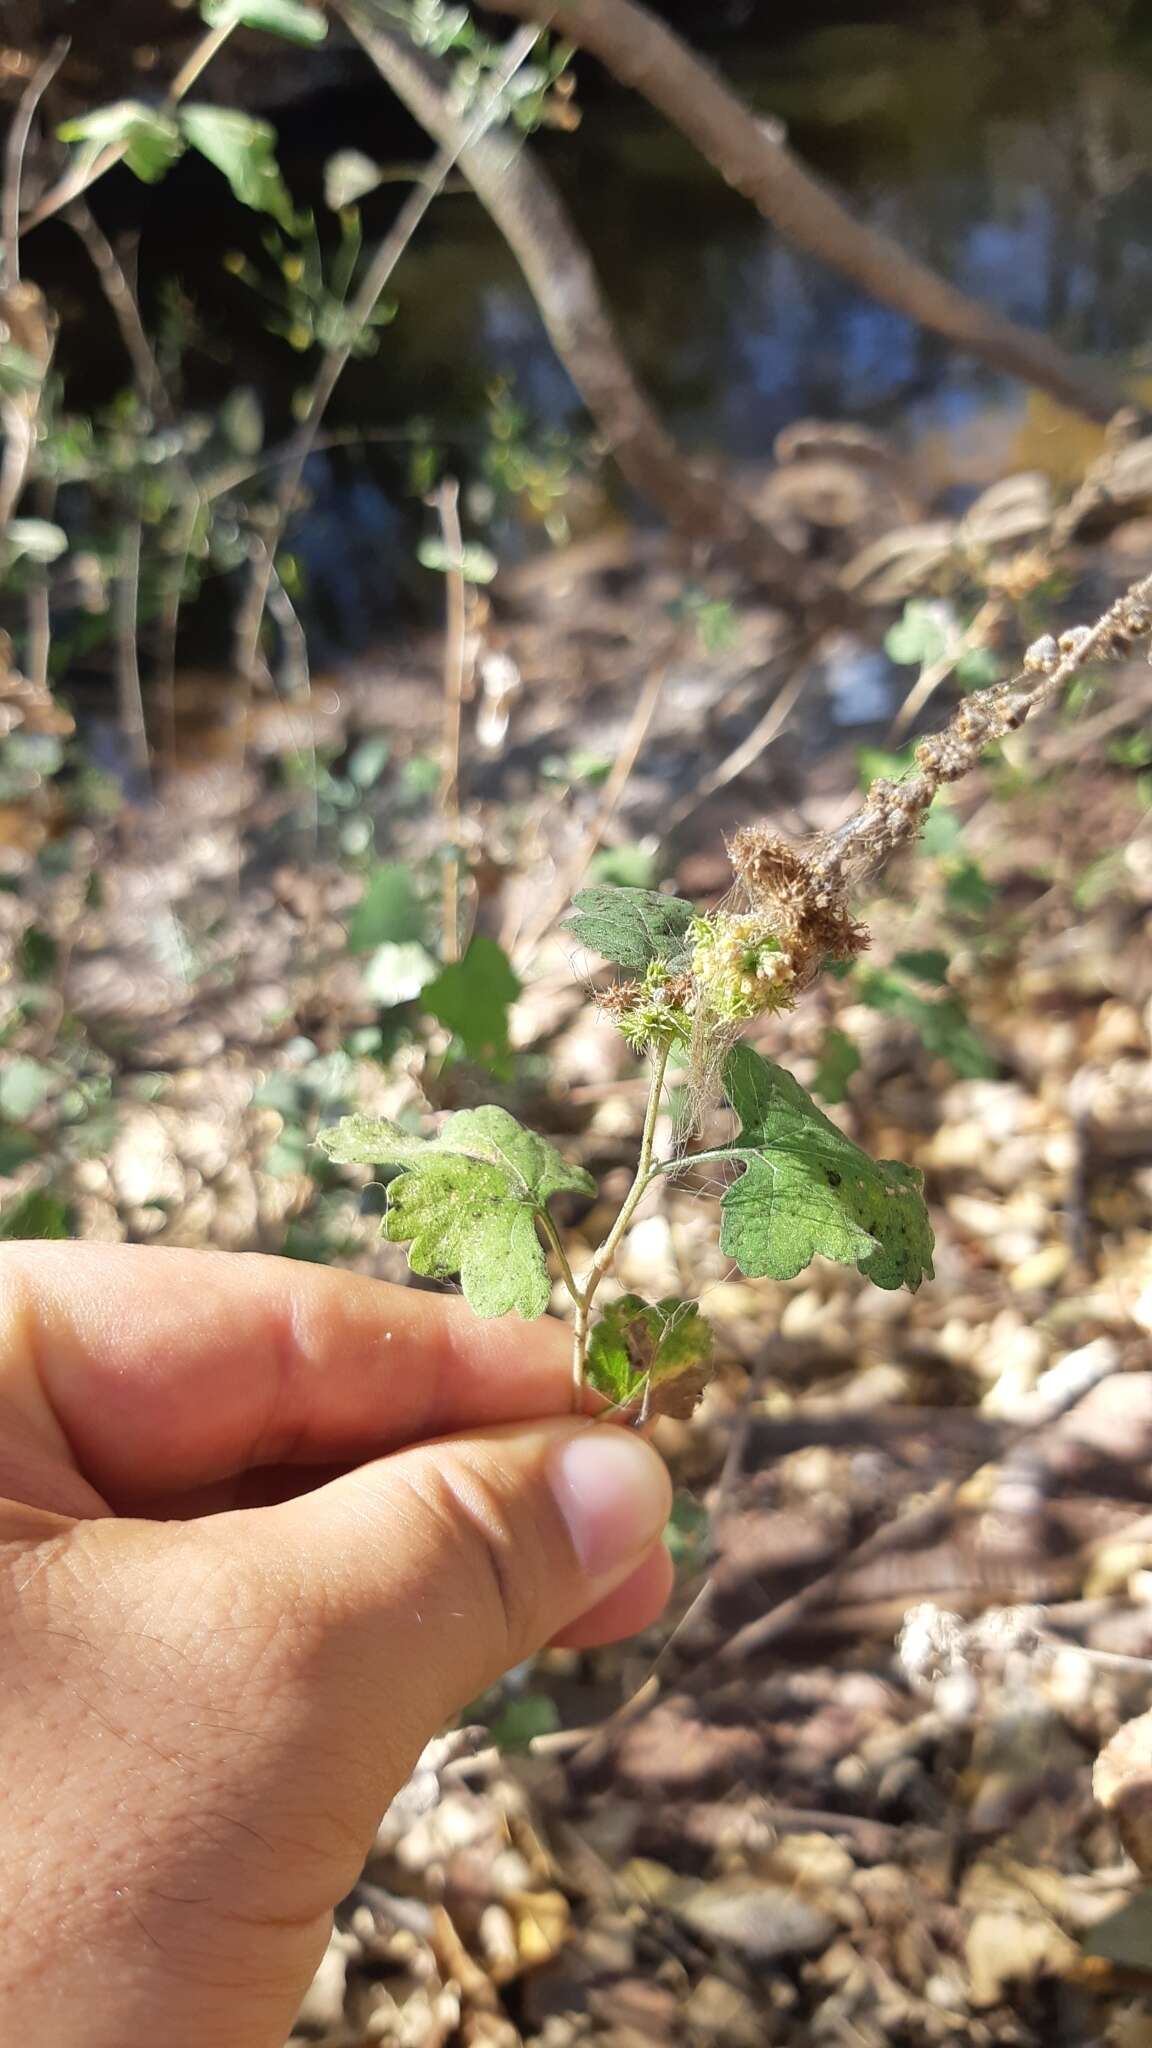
<point x="646" y="1172"/>
<point x="375" y="281"/>
<point x="455" y="684"/>
<point x="556" y="1245"/>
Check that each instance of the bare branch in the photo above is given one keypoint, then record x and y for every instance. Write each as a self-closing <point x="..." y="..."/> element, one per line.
<point x="129" y="694"/>
<point x="751" y="156"/>
<point x="455" y="660"/>
<point x="124" y="308"/>
<point x="893" y="812"/>
<point x="527" y="208"/>
<point x="15" y="150"/>
<point x="376" y="282"/>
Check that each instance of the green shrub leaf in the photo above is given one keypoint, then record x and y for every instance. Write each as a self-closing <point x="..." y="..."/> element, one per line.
<point x="467" y="1201"/>
<point x="292" y="19"/>
<point x="472" y="998"/>
<point x="633" y="926"/>
<point x="664" y="1351"/>
<point x="152" y="141"/>
<point x="807" y="1191"/>
<point x="244" y="149"/>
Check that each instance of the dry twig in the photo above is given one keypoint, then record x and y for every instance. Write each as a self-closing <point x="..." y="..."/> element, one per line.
<point x="15" y="150"/>
<point x="455" y="687"/>
<point x="893" y="812"/>
<point x="375" y="283"/>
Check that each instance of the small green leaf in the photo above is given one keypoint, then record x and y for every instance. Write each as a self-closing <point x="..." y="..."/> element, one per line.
<point x="839" y="1060"/>
<point x="929" y="965"/>
<point x="151" y="140"/>
<point x="349" y="176"/>
<point x="244" y="149"/>
<point x="25" y="1085"/>
<point x="389" y="912"/>
<point x="942" y="831"/>
<point x="292" y="19"/>
<point x="475" y="563"/>
<point x="522" y="1720"/>
<point x="34" y="1214"/>
<point x="467" y="1201"/>
<point x="625" y="867"/>
<point x="38" y="540"/>
<point x="968" y="888"/>
<point x="369" y="760"/>
<point x="808" y="1191"/>
<point x="663" y="1352"/>
<point x="473" y="997"/>
<point x="922" y="634"/>
<point x="633" y="926"/>
<point x="241" y="420"/>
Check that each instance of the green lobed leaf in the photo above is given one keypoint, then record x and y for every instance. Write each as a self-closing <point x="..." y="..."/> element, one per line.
<point x="244" y="149"/>
<point x="467" y="1201"/>
<point x="922" y="634"/>
<point x="151" y="140"/>
<point x="292" y="19"/>
<point x="633" y="926"/>
<point x="472" y="998"/>
<point x="807" y="1191"/>
<point x="664" y="1350"/>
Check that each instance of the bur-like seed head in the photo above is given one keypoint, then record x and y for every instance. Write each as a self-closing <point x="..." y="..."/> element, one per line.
<point x="803" y="905"/>
<point x="655" y="1011"/>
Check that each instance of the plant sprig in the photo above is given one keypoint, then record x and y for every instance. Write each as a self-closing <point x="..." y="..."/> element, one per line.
<point x="475" y="1199"/>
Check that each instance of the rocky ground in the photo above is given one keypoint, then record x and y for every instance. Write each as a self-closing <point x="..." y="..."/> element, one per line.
<point x="844" y="1795"/>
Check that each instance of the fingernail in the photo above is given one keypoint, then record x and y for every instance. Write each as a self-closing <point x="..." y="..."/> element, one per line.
<point x="614" y="1494"/>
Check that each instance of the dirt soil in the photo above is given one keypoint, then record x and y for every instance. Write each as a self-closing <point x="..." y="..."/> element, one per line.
<point x="844" y="1794"/>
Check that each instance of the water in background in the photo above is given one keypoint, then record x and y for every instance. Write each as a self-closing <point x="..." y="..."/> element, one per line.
<point x="1015" y="156"/>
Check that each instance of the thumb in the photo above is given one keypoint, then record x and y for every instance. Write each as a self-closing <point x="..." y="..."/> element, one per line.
<point x="424" y="1576"/>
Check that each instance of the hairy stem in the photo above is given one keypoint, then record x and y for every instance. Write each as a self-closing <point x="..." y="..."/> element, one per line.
<point x="646" y="1172"/>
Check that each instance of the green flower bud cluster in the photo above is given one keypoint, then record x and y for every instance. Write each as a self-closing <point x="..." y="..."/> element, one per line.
<point x="739" y="967"/>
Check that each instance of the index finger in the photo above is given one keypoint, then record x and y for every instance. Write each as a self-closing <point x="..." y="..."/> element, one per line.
<point x="172" y="1370"/>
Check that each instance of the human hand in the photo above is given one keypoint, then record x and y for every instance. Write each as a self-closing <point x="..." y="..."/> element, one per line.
<point x="240" y="1587"/>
